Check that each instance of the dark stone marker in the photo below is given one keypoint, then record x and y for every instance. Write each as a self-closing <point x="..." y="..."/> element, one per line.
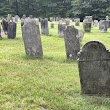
<point x="32" y="39"/>
<point x="72" y="43"/>
<point x="103" y="25"/>
<point x="44" y="27"/>
<point x="11" y="30"/>
<point x="61" y="28"/>
<point x="94" y="69"/>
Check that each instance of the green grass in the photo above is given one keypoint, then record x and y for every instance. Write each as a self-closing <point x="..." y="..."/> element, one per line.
<point x="51" y="83"/>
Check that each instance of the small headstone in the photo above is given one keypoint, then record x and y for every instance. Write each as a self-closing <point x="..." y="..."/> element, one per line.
<point x="72" y="43"/>
<point x="94" y="69"/>
<point x="67" y="21"/>
<point x="103" y="26"/>
<point x="77" y="21"/>
<point x="61" y="28"/>
<point x="80" y="35"/>
<point x="44" y="27"/>
<point x="107" y="18"/>
<point x="9" y="18"/>
<point x="96" y="23"/>
<point x="31" y="16"/>
<point x="88" y="18"/>
<point x="86" y="26"/>
<point x="11" y="30"/>
<point x="32" y="39"/>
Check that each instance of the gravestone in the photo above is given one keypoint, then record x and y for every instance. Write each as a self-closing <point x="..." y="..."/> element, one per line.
<point x="107" y="18"/>
<point x="16" y="18"/>
<point x="0" y="32"/>
<point x="61" y="28"/>
<point x="23" y="19"/>
<point x="94" y="69"/>
<point x="80" y="35"/>
<point x="67" y="21"/>
<point x="32" y="39"/>
<point x="52" y="25"/>
<point x="96" y="23"/>
<point x="9" y="18"/>
<point x="4" y="25"/>
<point x="36" y="21"/>
<point x="77" y="21"/>
<point x="44" y="27"/>
<point x="72" y="43"/>
<point x="11" y="30"/>
<point x="86" y="26"/>
<point x="88" y="18"/>
<point x="103" y="26"/>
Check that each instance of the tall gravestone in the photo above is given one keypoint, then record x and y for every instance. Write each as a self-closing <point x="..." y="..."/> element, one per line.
<point x="9" y="18"/>
<point x="11" y="30"/>
<point x="72" y="43"/>
<point x="94" y="69"/>
<point x="61" y="28"/>
<point x="103" y="26"/>
<point x="44" y="27"/>
<point x="32" y="39"/>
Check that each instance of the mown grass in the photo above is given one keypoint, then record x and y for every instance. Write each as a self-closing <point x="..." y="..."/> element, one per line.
<point x="50" y="83"/>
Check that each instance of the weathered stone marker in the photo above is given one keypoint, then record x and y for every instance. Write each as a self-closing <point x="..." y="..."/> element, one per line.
<point x="86" y="26"/>
<point x="61" y="28"/>
<point x="44" y="27"/>
<point x="11" y="30"/>
<point x="4" y="25"/>
<point x="96" y="23"/>
<point x="94" y="69"/>
<point x="77" y="21"/>
<point x="103" y="26"/>
<point x="31" y="38"/>
<point x="72" y="43"/>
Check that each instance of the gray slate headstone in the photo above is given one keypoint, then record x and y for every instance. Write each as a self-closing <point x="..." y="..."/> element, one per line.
<point x="44" y="27"/>
<point x="72" y="43"/>
<point x="32" y="39"/>
<point x="11" y="30"/>
<point x="94" y="69"/>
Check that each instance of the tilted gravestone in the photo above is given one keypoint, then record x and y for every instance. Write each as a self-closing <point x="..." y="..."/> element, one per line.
<point x="32" y="39"/>
<point x="77" y="21"/>
<point x="61" y="28"/>
<point x="103" y="26"/>
<point x="94" y="69"/>
<point x="44" y="27"/>
<point x="86" y="26"/>
<point x="11" y="30"/>
<point x="72" y="43"/>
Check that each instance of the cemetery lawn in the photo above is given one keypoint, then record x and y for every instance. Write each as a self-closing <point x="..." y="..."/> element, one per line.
<point x="50" y="83"/>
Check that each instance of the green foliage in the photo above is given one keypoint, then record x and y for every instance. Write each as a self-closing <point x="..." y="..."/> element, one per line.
<point x="57" y="8"/>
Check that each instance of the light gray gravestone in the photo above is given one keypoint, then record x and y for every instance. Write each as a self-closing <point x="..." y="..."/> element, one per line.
<point x="32" y="39"/>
